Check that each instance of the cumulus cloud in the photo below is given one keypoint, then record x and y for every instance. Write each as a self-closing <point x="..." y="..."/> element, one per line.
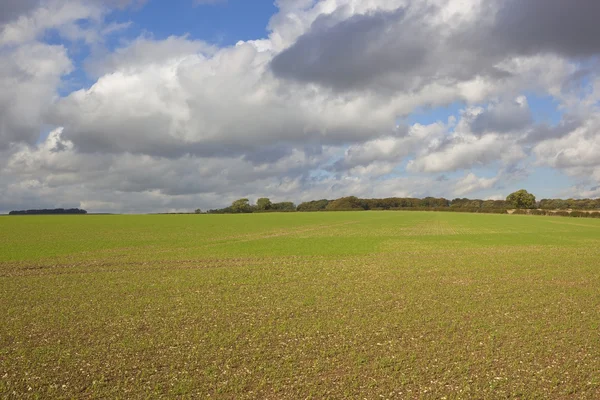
<point x="557" y="26"/>
<point x="467" y="152"/>
<point x="29" y="76"/>
<point x="393" y="149"/>
<point x="406" y="47"/>
<point x="318" y="108"/>
<point x="12" y="9"/>
<point x="224" y="103"/>
<point x="31" y="70"/>
<point x="54" y="165"/>
<point x="145" y="51"/>
<point x="577" y="152"/>
<point x="471" y="183"/>
<point x="465" y="147"/>
<point x="504" y="117"/>
<point x="544" y="131"/>
<point x="55" y="14"/>
<point x="374" y="50"/>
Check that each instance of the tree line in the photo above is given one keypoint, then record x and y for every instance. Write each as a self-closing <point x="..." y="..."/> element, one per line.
<point x="243" y="206"/>
<point x="54" y="211"/>
<point x="520" y="199"/>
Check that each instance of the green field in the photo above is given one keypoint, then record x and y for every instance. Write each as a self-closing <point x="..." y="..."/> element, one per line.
<point x="318" y="305"/>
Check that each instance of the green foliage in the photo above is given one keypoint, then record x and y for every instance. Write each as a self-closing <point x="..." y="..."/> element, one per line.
<point x="554" y="204"/>
<point x="56" y="211"/>
<point x="433" y="202"/>
<point x="573" y="204"/>
<point x="284" y="206"/>
<point x="241" y="206"/>
<point x="263" y="204"/>
<point x="520" y="212"/>
<point x="315" y="205"/>
<point x="521" y="199"/>
<point x="345" y="203"/>
<point x="392" y="203"/>
<point x="579" y="214"/>
<point x="538" y="212"/>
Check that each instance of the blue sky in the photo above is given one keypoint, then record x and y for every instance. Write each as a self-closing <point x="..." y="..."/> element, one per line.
<point x="223" y="23"/>
<point x="136" y="106"/>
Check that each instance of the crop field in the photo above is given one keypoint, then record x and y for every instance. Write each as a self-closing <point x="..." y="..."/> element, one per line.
<point x="353" y="305"/>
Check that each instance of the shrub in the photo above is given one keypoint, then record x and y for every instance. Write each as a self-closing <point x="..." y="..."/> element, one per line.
<point x="345" y="204"/>
<point x="345" y="209"/>
<point x="315" y="205"/>
<point x="579" y="214"/>
<point x="520" y="212"/>
<point x="493" y="211"/>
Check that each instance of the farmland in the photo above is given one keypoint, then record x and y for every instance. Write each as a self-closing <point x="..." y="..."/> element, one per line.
<point x="315" y="305"/>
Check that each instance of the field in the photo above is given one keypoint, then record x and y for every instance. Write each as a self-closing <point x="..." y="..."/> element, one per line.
<point x="318" y="305"/>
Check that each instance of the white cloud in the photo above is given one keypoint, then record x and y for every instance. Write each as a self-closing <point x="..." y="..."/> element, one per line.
<point x="463" y="149"/>
<point x="577" y="152"/>
<point x="471" y="183"/>
<point x="146" y="51"/>
<point x="56" y="14"/>
<point x="220" y="103"/>
<point x="176" y="123"/>
<point x="29" y="77"/>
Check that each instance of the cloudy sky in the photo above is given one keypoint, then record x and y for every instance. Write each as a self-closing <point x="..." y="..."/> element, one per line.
<point x="152" y="106"/>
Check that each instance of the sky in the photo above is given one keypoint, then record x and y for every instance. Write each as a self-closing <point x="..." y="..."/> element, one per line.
<point x="140" y="106"/>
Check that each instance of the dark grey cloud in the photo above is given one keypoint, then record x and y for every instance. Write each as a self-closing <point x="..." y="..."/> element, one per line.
<point x="10" y="10"/>
<point x="269" y="154"/>
<point x="544" y="131"/>
<point x="503" y="118"/>
<point x="402" y="50"/>
<point x="54" y="168"/>
<point x="383" y="50"/>
<point x="13" y="9"/>
<point x="150" y="136"/>
<point x="360" y="51"/>
<point x="566" y="27"/>
<point x="29" y="76"/>
<point x="176" y="124"/>
<point x="156" y="122"/>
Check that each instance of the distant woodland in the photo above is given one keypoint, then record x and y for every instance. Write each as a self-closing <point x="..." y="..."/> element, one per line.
<point x="55" y="211"/>
<point x="521" y="201"/>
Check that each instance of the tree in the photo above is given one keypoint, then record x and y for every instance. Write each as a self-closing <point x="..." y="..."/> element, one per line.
<point x="241" y="206"/>
<point x="315" y="205"/>
<point x="263" y="204"/>
<point x="284" y="206"/>
<point x="49" y="212"/>
<point x="346" y="203"/>
<point x="521" y="199"/>
<point x="198" y="211"/>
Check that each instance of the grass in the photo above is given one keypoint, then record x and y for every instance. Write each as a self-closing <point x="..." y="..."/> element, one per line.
<point x="323" y="305"/>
